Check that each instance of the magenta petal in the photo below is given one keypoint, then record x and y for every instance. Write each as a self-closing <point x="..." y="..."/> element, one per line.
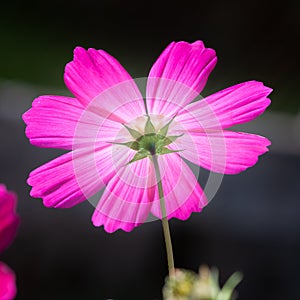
<point x="182" y="192"/>
<point x="224" y="152"/>
<point x="127" y="199"/>
<point x="77" y="175"/>
<point x="60" y="185"/>
<point x="8" y="289"/>
<point x="235" y="105"/>
<point x="94" y="71"/>
<point x="178" y="76"/>
<point x="9" y="220"/>
<point x="52" y="120"/>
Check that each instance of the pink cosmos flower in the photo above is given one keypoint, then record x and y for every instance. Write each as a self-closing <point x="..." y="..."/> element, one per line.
<point x="113" y="133"/>
<point x="9" y="222"/>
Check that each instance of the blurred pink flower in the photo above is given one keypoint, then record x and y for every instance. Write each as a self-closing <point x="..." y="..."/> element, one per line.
<point x="9" y="222"/>
<point x="108" y="125"/>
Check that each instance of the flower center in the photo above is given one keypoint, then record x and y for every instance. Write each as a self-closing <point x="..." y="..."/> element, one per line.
<point x="149" y="142"/>
<point x="152" y="142"/>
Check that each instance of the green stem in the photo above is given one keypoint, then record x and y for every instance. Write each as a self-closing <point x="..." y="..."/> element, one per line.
<point x="164" y="219"/>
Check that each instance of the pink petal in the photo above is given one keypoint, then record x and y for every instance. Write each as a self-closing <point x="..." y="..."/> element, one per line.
<point x="8" y="289"/>
<point x="9" y="220"/>
<point x="222" y="151"/>
<point x="182" y="192"/>
<point x="235" y="105"/>
<point x="93" y="72"/>
<point x="52" y="120"/>
<point x="127" y="199"/>
<point x="55" y="182"/>
<point x="59" y="185"/>
<point x="77" y="175"/>
<point x="62" y="122"/>
<point x="178" y="76"/>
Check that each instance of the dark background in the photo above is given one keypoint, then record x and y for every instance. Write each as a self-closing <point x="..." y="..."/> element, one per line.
<point x="252" y="225"/>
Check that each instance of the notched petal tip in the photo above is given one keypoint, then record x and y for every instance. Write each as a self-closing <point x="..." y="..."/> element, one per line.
<point x="198" y="43"/>
<point x="267" y="89"/>
<point x="78" y="53"/>
<point x="26" y="116"/>
<point x="267" y="102"/>
<point x="94" y="51"/>
<point x="78" y="50"/>
<point x="257" y="85"/>
<point x="183" y="69"/>
<point x="110" y="225"/>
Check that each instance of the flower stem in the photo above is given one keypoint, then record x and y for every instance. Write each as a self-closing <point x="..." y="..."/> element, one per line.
<point x="164" y="219"/>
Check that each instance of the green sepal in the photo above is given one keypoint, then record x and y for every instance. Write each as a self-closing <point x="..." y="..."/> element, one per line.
<point x="164" y="130"/>
<point x="134" y="133"/>
<point x="170" y="139"/>
<point x="139" y="155"/>
<point x="132" y="145"/>
<point x="149" y="127"/>
<point x="165" y="150"/>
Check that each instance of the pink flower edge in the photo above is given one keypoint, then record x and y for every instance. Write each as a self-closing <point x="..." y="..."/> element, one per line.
<point x="9" y="220"/>
<point x="8" y="288"/>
